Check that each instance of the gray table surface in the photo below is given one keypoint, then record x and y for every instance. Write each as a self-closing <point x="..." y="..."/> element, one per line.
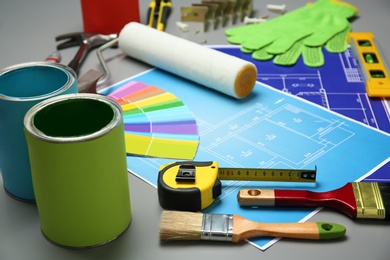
<point x="28" y="29"/>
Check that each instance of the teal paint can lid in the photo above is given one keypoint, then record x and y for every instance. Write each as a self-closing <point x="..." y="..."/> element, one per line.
<point x="45" y="80"/>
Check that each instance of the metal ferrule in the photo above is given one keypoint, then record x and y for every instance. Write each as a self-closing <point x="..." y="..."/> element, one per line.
<point x="369" y="201"/>
<point x="218" y="227"/>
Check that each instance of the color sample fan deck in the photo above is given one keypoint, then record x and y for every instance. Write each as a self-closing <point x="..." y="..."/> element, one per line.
<point x="156" y="122"/>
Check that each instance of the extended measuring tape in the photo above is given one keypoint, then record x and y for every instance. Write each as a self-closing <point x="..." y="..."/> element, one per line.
<point x="372" y="67"/>
<point x="193" y="186"/>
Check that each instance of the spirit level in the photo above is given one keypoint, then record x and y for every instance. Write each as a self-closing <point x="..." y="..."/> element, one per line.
<point x="193" y="186"/>
<point x="372" y="66"/>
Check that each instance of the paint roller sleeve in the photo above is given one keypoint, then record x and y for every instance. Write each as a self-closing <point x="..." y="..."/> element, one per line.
<point x="224" y="73"/>
<point x="245" y="81"/>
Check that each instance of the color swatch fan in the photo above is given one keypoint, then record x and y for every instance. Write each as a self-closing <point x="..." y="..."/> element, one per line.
<point x="156" y="122"/>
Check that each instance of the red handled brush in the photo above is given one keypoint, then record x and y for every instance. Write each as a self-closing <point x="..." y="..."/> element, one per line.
<point x="358" y="200"/>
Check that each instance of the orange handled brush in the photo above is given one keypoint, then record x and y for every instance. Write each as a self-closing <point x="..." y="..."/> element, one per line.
<point x="181" y="225"/>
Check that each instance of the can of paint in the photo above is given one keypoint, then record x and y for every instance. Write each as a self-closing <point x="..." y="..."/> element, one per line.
<point x="78" y="163"/>
<point x="21" y="87"/>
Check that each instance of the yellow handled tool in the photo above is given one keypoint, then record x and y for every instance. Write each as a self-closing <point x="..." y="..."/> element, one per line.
<point x="158" y="13"/>
<point x="193" y="186"/>
<point x="375" y="71"/>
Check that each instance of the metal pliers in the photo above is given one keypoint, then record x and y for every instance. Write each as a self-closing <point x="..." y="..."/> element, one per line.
<point x="85" y="41"/>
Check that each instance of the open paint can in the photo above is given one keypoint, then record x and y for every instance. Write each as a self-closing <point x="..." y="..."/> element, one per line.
<point x="78" y="163"/>
<point x="21" y="87"/>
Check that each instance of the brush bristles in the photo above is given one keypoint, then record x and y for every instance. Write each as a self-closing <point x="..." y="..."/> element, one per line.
<point x="179" y="225"/>
<point x="385" y="193"/>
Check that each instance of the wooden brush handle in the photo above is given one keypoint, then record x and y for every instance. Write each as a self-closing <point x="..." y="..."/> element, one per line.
<point x="245" y="229"/>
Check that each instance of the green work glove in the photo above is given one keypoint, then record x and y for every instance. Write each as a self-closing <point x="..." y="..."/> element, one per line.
<point x="303" y="31"/>
<point x="312" y="56"/>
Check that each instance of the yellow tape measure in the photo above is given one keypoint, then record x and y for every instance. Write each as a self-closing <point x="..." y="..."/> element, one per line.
<point x="254" y="174"/>
<point x="193" y="186"/>
<point x="373" y="68"/>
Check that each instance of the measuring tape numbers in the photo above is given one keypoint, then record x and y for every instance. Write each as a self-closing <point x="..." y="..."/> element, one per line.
<point x="193" y="186"/>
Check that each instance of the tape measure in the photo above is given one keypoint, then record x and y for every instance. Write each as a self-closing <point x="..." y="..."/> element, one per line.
<point x="373" y="68"/>
<point x="193" y="186"/>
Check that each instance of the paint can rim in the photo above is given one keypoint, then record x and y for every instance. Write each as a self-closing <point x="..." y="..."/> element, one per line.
<point x="35" y="132"/>
<point x="71" y="79"/>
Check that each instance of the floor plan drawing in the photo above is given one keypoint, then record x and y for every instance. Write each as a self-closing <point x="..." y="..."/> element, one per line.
<point x="270" y="128"/>
<point x="296" y="117"/>
<point x="263" y="133"/>
<point x="336" y="86"/>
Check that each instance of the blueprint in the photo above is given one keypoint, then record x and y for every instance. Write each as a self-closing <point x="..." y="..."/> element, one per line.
<point x="336" y="86"/>
<point x="270" y="128"/>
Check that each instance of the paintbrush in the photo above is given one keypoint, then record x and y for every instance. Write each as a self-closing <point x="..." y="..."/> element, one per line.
<point x="358" y="200"/>
<point x="182" y="225"/>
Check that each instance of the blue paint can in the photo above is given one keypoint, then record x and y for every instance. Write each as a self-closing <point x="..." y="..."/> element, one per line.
<point x="21" y="87"/>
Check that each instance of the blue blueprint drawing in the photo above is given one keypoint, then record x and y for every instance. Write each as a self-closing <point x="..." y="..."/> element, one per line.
<point x="336" y="86"/>
<point x="269" y="129"/>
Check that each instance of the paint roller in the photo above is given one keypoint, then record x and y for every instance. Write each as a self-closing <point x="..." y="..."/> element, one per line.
<point x="213" y="69"/>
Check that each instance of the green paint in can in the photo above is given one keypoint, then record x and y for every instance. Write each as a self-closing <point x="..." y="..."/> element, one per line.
<point x="78" y="163"/>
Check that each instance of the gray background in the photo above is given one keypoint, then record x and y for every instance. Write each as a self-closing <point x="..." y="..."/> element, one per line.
<point x="27" y="32"/>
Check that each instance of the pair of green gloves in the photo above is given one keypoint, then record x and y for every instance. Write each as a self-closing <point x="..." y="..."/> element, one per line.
<point x="303" y="31"/>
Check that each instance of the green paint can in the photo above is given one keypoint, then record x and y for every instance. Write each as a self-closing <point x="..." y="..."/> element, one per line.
<point x="78" y="165"/>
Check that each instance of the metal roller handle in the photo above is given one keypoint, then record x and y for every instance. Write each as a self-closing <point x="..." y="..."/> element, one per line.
<point x="106" y="71"/>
